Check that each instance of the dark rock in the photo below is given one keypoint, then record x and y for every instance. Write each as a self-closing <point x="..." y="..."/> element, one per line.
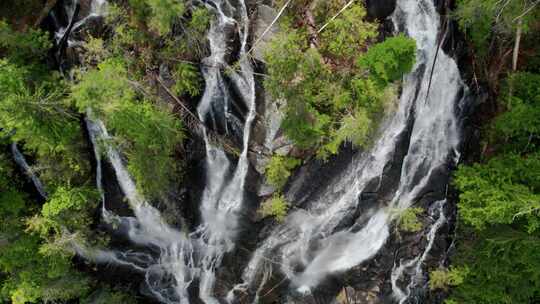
<point x="380" y="9"/>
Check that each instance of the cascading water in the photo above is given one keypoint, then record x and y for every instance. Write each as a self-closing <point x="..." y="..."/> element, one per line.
<point x="222" y="198"/>
<point x="312" y="243"/>
<point x="170" y="273"/>
<point x="312" y="240"/>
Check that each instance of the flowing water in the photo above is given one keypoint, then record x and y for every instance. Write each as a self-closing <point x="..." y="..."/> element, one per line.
<point x="170" y="273"/>
<point x="312" y="243"/>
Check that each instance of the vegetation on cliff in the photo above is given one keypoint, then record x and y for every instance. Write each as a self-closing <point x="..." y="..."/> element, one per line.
<point x="334" y="80"/>
<point x="499" y="203"/>
<point x="42" y="112"/>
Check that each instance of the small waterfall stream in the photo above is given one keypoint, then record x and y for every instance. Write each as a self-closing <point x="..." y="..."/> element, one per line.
<point x="312" y="243"/>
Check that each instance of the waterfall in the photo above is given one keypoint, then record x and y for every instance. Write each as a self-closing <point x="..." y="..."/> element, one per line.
<point x="417" y="276"/>
<point x="174" y="265"/>
<point x="310" y="245"/>
<point x="170" y="273"/>
<point x="98" y="8"/>
<point x="222" y="199"/>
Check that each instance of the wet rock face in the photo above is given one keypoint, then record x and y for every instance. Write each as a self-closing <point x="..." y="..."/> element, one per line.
<point x="380" y="9"/>
<point x="264" y="17"/>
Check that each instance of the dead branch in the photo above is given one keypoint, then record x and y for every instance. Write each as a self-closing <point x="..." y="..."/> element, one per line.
<point x="335" y="16"/>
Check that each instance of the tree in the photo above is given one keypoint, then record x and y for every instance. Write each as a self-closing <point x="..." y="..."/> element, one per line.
<point x="491" y="25"/>
<point x="503" y="267"/>
<point x="329" y="100"/>
<point x="389" y="60"/>
<point x="147" y="132"/>
<point x="500" y="204"/>
<point x="501" y="191"/>
<point x="346" y="36"/>
<point x="28" y="272"/>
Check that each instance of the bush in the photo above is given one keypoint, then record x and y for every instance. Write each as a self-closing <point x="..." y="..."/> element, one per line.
<point x="389" y="60"/>
<point x="328" y="99"/>
<point x="407" y="219"/>
<point x="163" y="14"/>
<point x="187" y="80"/>
<point x="279" y="169"/>
<point x="346" y="36"/>
<point x="23" y="48"/>
<point x="445" y="278"/>
<point x="354" y="129"/>
<point x="277" y="207"/>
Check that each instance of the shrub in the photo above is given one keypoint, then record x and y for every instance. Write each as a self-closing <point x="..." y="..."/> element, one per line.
<point x="444" y="278"/>
<point x="348" y="34"/>
<point x="279" y="169"/>
<point x="276" y="206"/>
<point x="389" y="60"/>
<point x="187" y="80"/>
<point x="163" y="14"/>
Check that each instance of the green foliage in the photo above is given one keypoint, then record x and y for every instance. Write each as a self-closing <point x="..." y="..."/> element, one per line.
<point x="276" y="206"/>
<point x="34" y="276"/>
<point x="95" y="51"/>
<point x="163" y="14"/>
<point x="504" y="268"/>
<point x="12" y="202"/>
<point x="519" y="127"/>
<point x="21" y="47"/>
<point x="146" y="132"/>
<point x="103" y="89"/>
<point x="69" y="209"/>
<point x="329" y="100"/>
<point x="28" y="272"/>
<point x="347" y="35"/>
<point x="501" y="191"/>
<point x="407" y="219"/>
<point x="188" y="80"/>
<point x="200" y="21"/>
<point x="500" y="203"/>
<point x="150" y="135"/>
<point x="389" y="60"/>
<point x="483" y="19"/>
<point x="354" y="129"/>
<point x="279" y="169"/>
<point x="37" y="112"/>
<point x="443" y="278"/>
<point x="105" y="295"/>
<point x="33" y="107"/>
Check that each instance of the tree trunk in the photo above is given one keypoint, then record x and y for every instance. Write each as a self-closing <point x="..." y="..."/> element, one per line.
<point x="516" y="45"/>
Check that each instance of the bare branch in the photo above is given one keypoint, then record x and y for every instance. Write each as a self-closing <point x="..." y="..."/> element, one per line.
<point x="335" y="16"/>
